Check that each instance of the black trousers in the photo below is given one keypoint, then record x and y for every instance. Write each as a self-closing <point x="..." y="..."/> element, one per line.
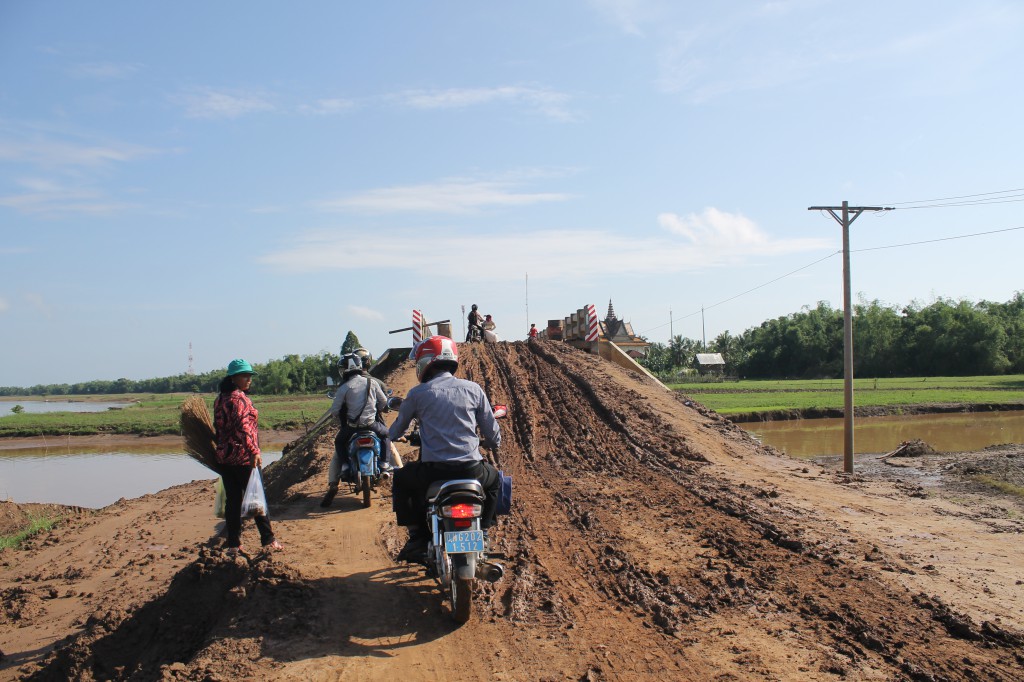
<point x="236" y="477"/>
<point x="409" y="488"/>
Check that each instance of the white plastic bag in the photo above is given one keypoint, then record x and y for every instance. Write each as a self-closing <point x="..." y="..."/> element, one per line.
<point x="254" y="501"/>
<point x="220" y="499"/>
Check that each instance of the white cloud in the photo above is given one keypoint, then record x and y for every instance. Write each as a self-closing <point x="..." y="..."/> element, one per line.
<point x="365" y="313"/>
<point x="39" y="303"/>
<point x="212" y="104"/>
<point x="626" y="14"/>
<point x="48" y="197"/>
<point x="714" y="228"/>
<point x="712" y="240"/>
<point x="450" y="196"/>
<point x="47" y="150"/>
<point x="326" y="107"/>
<point x="105" y="70"/>
<point x="548" y="102"/>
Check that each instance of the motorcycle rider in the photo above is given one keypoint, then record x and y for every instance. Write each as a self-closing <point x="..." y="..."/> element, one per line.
<point x="449" y="411"/>
<point x="358" y="405"/>
<point x="476" y="321"/>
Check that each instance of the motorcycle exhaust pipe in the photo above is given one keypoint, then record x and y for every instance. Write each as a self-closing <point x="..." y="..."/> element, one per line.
<point x="490" y="572"/>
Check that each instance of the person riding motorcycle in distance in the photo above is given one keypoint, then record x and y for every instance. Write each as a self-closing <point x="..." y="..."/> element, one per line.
<point x="475" y="320"/>
<point x="449" y="411"/>
<point x="358" y="404"/>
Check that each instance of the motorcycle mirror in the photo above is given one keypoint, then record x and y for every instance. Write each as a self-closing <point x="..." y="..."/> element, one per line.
<point x="500" y="411"/>
<point x="330" y="394"/>
<point x="394" y="402"/>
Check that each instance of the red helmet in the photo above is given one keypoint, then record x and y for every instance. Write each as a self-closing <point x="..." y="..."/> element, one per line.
<point x="434" y="351"/>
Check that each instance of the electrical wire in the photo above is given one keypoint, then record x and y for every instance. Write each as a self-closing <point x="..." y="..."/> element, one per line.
<point x="940" y="239"/>
<point x="834" y="253"/>
<point x="744" y="293"/>
<point x="964" y="196"/>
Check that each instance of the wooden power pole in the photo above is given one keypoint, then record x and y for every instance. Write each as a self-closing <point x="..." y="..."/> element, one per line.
<point x="849" y="214"/>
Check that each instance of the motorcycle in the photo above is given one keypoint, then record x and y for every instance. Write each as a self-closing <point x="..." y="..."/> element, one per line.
<point x="475" y="334"/>
<point x="367" y="466"/>
<point x="457" y="552"/>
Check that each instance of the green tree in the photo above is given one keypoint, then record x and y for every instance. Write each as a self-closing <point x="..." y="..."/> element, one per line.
<point x="351" y="343"/>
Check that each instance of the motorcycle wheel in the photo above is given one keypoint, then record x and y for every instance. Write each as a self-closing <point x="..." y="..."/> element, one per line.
<point x="366" y="491"/>
<point x="462" y="599"/>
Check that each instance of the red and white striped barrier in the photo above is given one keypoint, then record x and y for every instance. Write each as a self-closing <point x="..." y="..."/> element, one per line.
<point x="417" y="327"/>
<point x="593" y="329"/>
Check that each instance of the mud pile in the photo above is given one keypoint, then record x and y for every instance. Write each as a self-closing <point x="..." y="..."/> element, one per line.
<point x="629" y="556"/>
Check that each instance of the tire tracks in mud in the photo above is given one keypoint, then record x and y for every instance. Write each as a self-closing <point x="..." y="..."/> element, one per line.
<point x="623" y="551"/>
<point x="640" y="523"/>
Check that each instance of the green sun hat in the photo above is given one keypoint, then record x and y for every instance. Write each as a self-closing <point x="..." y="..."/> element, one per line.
<point x="239" y="367"/>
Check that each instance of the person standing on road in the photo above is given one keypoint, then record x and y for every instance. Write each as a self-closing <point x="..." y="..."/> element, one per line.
<point x="449" y="411"/>
<point x="238" y="451"/>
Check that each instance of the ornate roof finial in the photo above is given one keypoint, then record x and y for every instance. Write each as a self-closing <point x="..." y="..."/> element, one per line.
<point x="611" y="311"/>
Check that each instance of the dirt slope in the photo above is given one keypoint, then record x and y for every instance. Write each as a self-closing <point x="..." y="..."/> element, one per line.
<point x="649" y="539"/>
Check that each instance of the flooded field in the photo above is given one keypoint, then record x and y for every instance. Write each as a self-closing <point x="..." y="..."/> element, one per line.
<point x="944" y="432"/>
<point x="94" y="477"/>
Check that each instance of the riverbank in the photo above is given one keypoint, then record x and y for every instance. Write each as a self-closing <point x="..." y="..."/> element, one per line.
<point x="873" y="411"/>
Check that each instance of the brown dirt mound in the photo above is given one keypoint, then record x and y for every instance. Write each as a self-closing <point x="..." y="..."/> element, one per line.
<point x="649" y="539"/>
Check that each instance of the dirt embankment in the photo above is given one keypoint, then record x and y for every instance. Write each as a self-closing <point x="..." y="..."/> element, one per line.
<point x="649" y="539"/>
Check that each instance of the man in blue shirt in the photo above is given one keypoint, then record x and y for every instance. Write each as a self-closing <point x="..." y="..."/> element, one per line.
<point x="449" y="411"/>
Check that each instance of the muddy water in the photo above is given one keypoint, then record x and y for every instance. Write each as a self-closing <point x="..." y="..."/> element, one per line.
<point x="944" y="432"/>
<point x="85" y="477"/>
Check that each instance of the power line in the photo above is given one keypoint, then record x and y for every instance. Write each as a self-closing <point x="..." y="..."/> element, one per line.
<point x="834" y="253"/>
<point x="759" y="286"/>
<point x="979" y="202"/>
<point x="965" y="196"/>
<point x="941" y="239"/>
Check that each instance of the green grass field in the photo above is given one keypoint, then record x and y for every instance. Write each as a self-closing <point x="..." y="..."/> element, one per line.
<point x="734" y="397"/>
<point x="156" y="415"/>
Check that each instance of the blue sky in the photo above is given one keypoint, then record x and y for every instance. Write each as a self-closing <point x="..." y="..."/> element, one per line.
<point x="257" y="179"/>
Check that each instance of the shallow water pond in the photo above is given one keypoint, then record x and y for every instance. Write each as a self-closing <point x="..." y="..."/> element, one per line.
<point x="75" y="476"/>
<point x="945" y="432"/>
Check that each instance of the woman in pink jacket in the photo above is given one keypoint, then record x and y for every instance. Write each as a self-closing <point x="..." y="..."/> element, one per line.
<point x="238" y="451"/>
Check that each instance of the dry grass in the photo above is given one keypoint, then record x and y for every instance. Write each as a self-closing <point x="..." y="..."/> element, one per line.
<point x="197" y="430"/>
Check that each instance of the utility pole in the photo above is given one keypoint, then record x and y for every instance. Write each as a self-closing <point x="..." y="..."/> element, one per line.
<point x="849" y="214"/>
<point x="671" y="331"/>
<point x="703" y="333"/>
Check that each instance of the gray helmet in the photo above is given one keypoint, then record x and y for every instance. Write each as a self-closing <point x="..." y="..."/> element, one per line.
<point x="350" y="362"/>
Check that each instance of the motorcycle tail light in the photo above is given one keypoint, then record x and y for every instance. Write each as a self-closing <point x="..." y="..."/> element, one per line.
<point x="463" y="523"/>
<point x="461" y="511"/>
<point x="365" y="442"/>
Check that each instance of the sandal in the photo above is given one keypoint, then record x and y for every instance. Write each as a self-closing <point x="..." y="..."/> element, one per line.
<point x="235" y="551"/>
<point x="273" y="546"/>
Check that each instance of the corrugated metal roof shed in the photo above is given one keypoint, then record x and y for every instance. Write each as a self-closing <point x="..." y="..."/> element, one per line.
<point x="710" y="359"/>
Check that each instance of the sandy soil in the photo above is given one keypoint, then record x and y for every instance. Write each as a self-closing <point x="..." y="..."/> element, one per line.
<point x="650" y="539"/>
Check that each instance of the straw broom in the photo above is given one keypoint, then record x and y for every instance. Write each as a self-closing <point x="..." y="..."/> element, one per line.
<point x="197" y="430"/>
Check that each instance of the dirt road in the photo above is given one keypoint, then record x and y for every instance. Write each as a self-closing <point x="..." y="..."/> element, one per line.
<point x="650" y="539"/>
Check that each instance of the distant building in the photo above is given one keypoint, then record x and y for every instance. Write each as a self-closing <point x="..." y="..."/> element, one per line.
<point x="621" y="334"/>
<point x="710" y="363"/>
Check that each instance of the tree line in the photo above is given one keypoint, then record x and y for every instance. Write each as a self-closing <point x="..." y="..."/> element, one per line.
<point x="290" y="374"/>
<point x="944" y="338"/>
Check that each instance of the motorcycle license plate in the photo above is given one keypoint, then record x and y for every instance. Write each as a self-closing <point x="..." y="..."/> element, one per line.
<point x="464" y="541"/>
